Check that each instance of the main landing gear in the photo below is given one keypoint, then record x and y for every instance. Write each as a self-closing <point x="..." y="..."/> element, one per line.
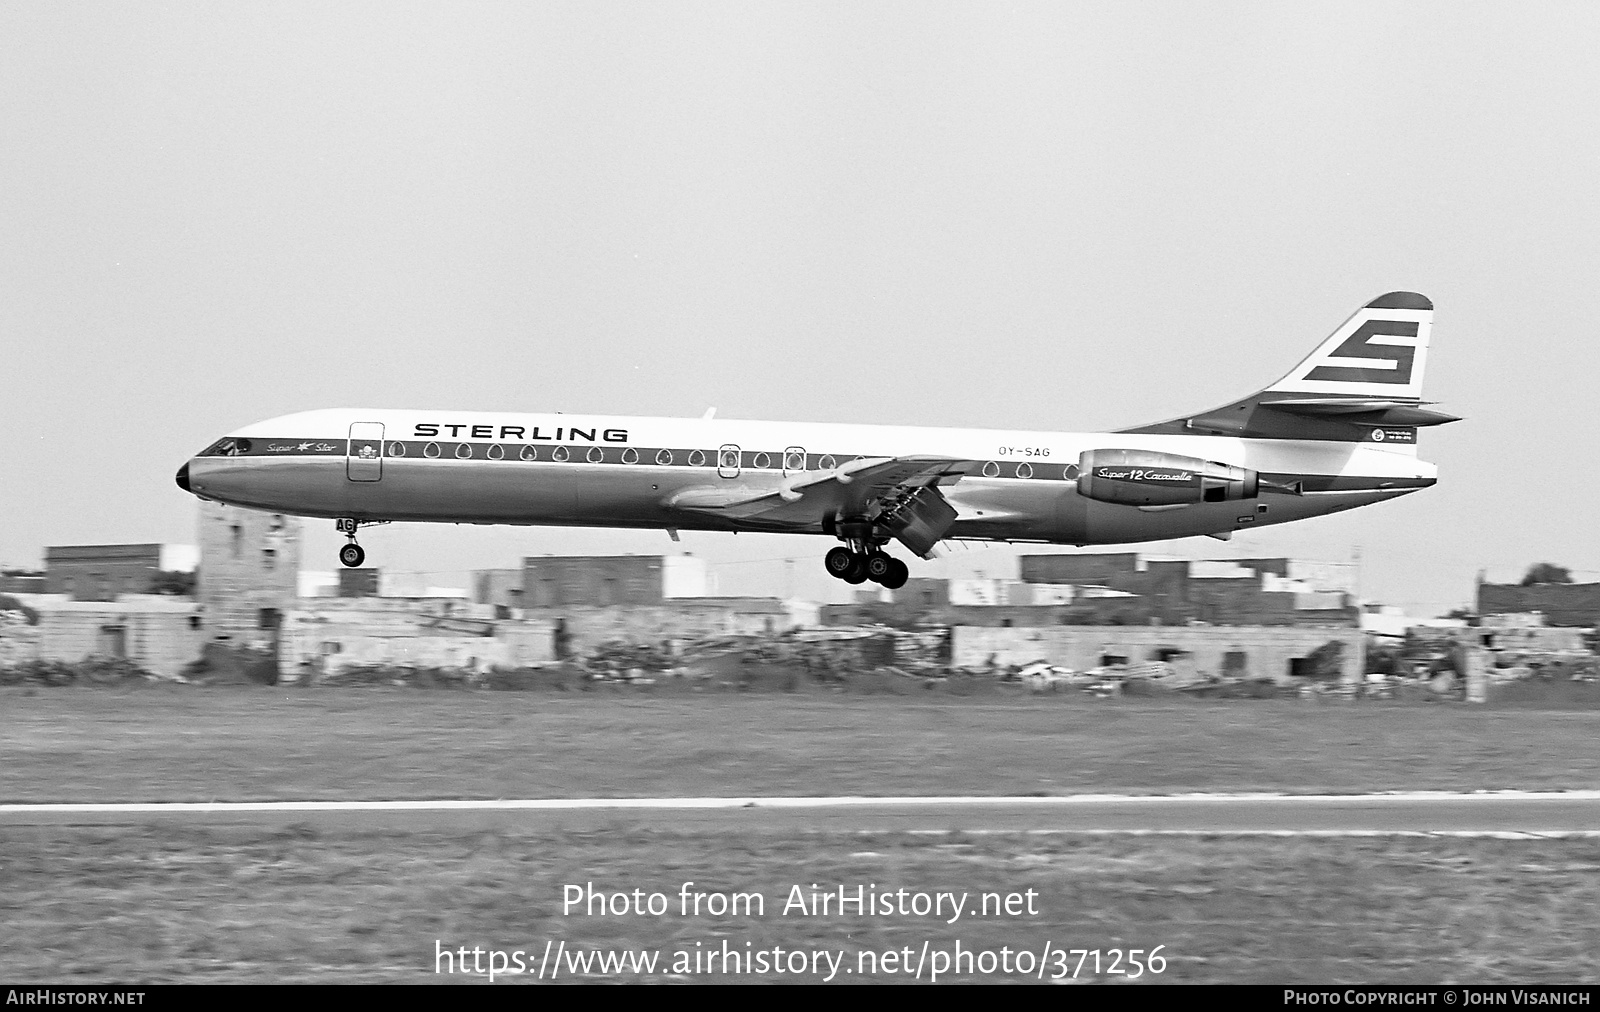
<point x="861" y="557"/>
<point x="859" y="567"/>
<point x="351" y="555"/>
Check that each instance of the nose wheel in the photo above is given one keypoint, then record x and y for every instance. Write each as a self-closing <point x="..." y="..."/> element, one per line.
<point x="351" y="555"/>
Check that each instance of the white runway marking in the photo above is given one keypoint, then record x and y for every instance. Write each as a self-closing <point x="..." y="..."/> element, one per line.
<point x="624" y="804"/>
<point x="1468" y="834"/>
<point x="1509" y="814"/>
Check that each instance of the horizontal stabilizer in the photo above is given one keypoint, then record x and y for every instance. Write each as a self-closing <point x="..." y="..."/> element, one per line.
<point x="1366" y="412"/>
<point x="1362" y="383"/>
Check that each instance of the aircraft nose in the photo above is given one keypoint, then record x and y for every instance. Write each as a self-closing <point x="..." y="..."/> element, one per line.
<point x="183" y="478"/>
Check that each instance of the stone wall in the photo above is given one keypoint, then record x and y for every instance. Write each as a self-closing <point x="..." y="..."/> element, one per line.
<point x="161" y="635"/>
<point x="322" y="637"/>
<point x="1563" y="604"/>
<point x="1266" y="651"/>
<point x="583" y="629"/>
<point x="19" y="641"/>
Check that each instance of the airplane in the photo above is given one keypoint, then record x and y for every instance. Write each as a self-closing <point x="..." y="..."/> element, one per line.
<point x="1338" y="431"/>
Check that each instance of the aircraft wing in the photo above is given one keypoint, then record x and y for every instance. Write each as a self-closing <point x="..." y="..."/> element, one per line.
<point x="901" y="493"/>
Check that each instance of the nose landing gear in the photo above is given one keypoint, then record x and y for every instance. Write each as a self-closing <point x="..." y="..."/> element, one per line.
<point x="352" y="555"/>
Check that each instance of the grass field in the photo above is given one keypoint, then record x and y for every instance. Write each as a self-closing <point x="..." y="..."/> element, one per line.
<point x="142" y="904"/>
<point x="177" y="743"/>
<point x="132" y="905"/>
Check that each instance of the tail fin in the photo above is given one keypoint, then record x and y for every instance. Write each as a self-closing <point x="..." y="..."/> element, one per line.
<point x="1380" y="352"/>
<point x="1363" y="383"/>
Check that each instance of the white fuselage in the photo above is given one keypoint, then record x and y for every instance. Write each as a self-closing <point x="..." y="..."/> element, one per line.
<point x="603" y="471"/>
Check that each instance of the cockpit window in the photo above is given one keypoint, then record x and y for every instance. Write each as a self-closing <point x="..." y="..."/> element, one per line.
<point x="232" y="446"/>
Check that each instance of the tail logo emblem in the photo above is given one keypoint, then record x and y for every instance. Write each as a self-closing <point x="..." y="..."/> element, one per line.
<point x="1359" y="346"/>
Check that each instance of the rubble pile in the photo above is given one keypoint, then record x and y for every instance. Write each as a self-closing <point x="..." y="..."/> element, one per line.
<point x="220" y="664"/>
<point x="1426" y="670"/>
<point x="1553" y="665"/>
<point x="1146" y="678"/>
<point x="883" y="660"/>
<point x="857" y="659"/>
<point x="90" y="670"/>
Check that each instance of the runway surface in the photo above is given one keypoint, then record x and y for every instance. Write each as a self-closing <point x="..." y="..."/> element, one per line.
<point x="1501" y="813"/>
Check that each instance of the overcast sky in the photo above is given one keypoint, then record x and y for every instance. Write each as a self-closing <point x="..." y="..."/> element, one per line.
<point x="1036" y="216"/>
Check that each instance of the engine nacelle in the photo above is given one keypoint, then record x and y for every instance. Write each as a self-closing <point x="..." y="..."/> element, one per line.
<point x="1149" y="478"/>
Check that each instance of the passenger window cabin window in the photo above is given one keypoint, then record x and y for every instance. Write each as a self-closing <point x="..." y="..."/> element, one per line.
<point x="630" y="456"/>
<point x="463" y="450"/>
<point x="762" y="460"/>
<point x="431" y="450"/>
<point x="560" y="454"/>
<point x="596" y="455"/>
<point x="529" y="453"/>
<point x="496" y="452"/>
<point x="663" y="457"/>
<point x="697" y="458"/>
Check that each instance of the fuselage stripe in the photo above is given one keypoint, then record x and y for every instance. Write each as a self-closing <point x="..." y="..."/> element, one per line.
<point x="448" y="451"/>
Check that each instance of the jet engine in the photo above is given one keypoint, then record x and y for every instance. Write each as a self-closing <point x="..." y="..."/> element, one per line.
<point x="1149" y="478"/>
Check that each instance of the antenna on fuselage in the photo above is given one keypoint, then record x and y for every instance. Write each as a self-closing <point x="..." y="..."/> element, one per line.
<point x="710" y="412"/>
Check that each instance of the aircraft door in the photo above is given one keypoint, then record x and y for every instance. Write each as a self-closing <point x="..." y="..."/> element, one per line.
<point x="794" y="459"/>
<point x="364" y="460"/>
<point x="728" y="460"/>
